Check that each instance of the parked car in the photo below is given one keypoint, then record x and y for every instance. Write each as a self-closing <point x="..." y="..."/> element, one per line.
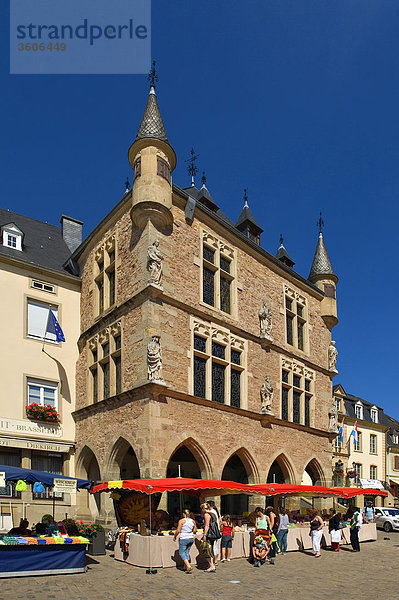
<point x="387" y="518"/>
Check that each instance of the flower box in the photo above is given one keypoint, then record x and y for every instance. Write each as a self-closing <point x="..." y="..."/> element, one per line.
<point x="44" y="413"/>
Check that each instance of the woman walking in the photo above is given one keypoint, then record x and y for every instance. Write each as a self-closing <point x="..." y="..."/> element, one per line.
<point x="316" y="532"/>
<point x="187" y="529"/>
<point x="334" y="529"/>
<point x="211" y="533"/>
<point x="273" y="529"/>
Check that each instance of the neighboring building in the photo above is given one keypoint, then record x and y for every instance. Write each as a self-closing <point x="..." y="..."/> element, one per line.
<point x="34" y="281"/>
<point x="392" y="460"/>
<point x="359" y="464"/>
<point x="198" y="348"/>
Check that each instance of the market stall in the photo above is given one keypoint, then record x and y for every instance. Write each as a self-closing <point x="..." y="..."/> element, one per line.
<point x="24" y="555"/>
<point x="161" y="550"/>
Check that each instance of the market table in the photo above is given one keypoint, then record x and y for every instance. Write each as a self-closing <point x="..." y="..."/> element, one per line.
<point x="165" y="551"/>
<point x="25" y="560"/>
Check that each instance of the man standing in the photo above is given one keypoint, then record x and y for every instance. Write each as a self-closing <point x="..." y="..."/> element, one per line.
<point x="355" y="524"/>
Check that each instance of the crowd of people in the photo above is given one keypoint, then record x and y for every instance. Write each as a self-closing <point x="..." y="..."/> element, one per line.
<point x="270" y="535"/>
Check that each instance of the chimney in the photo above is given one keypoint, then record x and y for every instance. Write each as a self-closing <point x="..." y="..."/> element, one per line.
<point x="71" y="230"/>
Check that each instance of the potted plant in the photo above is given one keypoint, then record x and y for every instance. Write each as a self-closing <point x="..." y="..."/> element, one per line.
<point x="95" y="532"/>
<point x="45" y="413"/>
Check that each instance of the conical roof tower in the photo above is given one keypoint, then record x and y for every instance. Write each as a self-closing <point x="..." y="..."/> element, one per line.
<point x="247" y="223"/>
<point x="153" y="160"/>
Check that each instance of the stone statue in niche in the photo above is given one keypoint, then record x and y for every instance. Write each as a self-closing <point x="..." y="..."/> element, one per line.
<point x="154" y="359"/>
<point x="332" y="357"/>
<point x="265" y="322"/>
<point x="154" y="263"/>
<point x="333" y="414"/>
<point x="266" y="395"/>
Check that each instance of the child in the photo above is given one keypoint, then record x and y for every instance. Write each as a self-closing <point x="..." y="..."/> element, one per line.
<point x="227" y="537"/>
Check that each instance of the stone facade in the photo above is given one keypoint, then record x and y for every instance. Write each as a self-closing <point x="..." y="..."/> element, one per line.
<point x="136" y="431"/>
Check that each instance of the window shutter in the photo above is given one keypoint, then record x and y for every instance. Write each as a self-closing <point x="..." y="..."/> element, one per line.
<point x="38" y="314"/>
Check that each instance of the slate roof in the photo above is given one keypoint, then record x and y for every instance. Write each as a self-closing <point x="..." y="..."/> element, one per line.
<point x="42" y="243"/>
<point x="350" y="401"/>
<point x="283" y="255"/>
<point x="152" y="125"/>
<point x="321" y="263"/>
<point x="245" y="217"/>
<point x="393" y="428"/>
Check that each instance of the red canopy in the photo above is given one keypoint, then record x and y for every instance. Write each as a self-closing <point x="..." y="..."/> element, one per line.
<point x="215" y="487"/>
<point x="352" y="492"/>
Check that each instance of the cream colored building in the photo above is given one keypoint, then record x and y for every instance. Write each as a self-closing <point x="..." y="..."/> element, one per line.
<point x="359" y="464"/>
<point x="34" y="281"/>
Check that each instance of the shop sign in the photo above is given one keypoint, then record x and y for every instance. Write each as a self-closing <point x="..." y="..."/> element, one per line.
<point x="33" y="445"/>
<point x="64" y="486"/>
<point x="374" y="484"/>
<point x="19" y="426"/>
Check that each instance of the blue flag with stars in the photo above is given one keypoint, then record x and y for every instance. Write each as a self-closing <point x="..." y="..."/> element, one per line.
<point x="54" y="327"/>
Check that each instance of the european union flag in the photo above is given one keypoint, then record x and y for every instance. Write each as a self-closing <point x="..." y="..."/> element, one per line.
<point x="54" y="327"/>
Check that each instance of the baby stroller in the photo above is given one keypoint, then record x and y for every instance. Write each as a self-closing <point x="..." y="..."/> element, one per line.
<point x="261" y="545"/>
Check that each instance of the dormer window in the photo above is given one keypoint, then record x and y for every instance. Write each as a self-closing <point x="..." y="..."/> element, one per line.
<point x="374" y="414"/>
<point x="359" y="410"/>
<point x="12" y="236"/>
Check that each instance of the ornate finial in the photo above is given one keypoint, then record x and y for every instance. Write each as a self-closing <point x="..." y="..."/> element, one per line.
<point x="320" y="223"/>
<point x="203" y="179"/>
<point x="281" y="240"/>
<point x="245" y="197"/>
<point x="152" y="75"/>
<point x="127" y="185"/>
<point x="192" y="167"/>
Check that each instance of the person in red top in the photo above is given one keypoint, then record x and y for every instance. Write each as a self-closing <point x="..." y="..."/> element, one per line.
<point x="227" y="537"/>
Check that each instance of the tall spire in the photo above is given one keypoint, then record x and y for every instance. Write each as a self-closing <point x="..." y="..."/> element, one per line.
<point x="152" y="125"/>
<point x="321" y="263"/>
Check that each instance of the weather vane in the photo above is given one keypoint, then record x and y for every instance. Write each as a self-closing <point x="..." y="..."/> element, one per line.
<point x="152" y="75"/>
<point x="320" y="223"/>
<point x="281" y="240"/>
<point x="127" y="184"/>
<point x="245" y="197"/>
<point x="203" y="179"/>
<point x="192" y="167"/>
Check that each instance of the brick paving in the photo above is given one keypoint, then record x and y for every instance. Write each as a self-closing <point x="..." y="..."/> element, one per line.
<point x="372" y="573"/>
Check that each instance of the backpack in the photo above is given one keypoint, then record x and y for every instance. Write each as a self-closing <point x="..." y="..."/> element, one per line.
<point x="213" y="531"/>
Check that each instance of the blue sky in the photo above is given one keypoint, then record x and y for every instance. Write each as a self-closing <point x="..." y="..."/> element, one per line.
<point x="296" y="100"/>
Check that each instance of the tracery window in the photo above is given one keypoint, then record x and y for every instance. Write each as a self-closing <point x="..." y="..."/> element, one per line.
<point x="218" y="270"/>
<point x="297" y="396"/>
<point x="105" y="367"/>
<point x="295" y="318"/>
<point x="218" y="365"/>
<point x="105" y="278"/>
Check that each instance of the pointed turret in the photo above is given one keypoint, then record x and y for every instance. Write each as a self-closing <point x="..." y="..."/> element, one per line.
<point x="322" y="274"/>
<point x="247" y="224"/>
<point x="283" y="255"/>
<point x="321" y="265"/>
<point x="153" y="160"/>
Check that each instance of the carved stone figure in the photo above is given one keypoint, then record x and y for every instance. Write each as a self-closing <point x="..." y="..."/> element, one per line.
<point x="154" y="263"/>
<point x="332" y="357"/>
<point x="339" y="467"/>
<point x="333" y="422"/>
<point x="154" y="359"/>
<point x="266" y="395"/>
<point x="265" y="321"/>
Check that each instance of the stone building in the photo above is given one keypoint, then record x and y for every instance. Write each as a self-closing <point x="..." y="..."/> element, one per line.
<point x="360" y="464"/>
<point x="35" y="368"/>
<point x="200" y="352"/>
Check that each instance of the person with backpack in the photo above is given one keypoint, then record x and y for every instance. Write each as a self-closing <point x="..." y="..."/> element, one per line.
<point x="211" y="533"/>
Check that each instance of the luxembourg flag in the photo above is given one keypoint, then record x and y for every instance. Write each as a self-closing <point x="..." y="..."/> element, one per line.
<point x="355" y="434"/>
<point x="341" y="431"/>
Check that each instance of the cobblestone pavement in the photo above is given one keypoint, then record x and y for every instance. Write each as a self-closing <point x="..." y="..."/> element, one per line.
<point x="372" y="573"/>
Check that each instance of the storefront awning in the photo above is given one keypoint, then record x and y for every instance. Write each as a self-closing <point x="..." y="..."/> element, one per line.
<point x="394" y="480"/>
<point x="32" y="476"/>
<point x="215" y="487"/>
